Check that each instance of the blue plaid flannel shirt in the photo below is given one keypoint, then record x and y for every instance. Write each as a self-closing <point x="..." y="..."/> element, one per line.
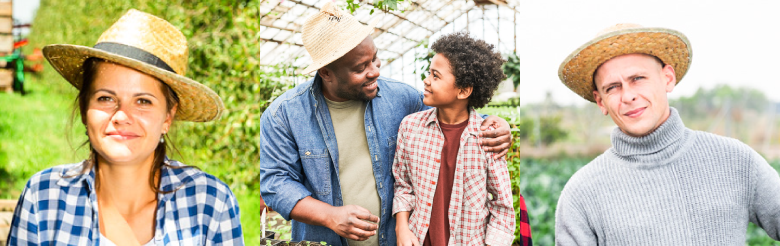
<point x="59" y="207"/>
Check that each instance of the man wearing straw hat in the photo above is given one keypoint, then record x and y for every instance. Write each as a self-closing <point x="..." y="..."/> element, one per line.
<point x="660" y="183"/>
<point x="327" y="146"/>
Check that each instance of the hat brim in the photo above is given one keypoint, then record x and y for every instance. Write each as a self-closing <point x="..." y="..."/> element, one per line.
<point x="196" y="101"/>
<point x="347" y="46"/>
<point x="671" y="46"/>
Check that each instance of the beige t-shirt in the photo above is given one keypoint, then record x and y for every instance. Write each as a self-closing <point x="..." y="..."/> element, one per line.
<point x="358" y="185"/>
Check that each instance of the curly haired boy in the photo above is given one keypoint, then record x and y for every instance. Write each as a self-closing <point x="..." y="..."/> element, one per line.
<point x="448" y="191"/>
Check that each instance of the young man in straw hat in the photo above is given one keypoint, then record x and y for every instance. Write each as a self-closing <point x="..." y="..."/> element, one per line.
<point x="660" y="183"/>
<point x="327" y="146"/>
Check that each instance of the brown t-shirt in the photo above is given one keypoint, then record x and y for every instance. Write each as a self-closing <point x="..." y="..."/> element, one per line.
<point x="439" y="229"/>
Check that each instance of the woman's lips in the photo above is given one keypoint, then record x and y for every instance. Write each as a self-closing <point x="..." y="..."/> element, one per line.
<point x="636" y="112"/>
<point x="122" y="135"/>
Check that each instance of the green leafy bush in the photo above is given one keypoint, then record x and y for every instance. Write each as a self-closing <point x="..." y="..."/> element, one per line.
<point x="545" y="130"/>
<point x="513" y="164"/>
<point x="511" y="102"/>
<point x="512" y="70"/>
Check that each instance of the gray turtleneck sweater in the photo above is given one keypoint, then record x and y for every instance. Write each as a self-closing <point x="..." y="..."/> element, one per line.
<point x="674" y="186"/>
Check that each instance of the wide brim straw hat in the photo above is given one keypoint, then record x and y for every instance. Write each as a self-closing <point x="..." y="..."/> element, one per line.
<point x="672" y="47"/>
<point x="150" y="45"/>
<point x="330" y="34"/>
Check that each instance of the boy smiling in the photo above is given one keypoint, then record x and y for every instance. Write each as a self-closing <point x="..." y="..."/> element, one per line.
<point x="442" y="176"/>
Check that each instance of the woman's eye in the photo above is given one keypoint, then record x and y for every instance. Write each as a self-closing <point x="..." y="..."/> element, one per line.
<point x="105" y="99"/>
<point x="144" y="101"/>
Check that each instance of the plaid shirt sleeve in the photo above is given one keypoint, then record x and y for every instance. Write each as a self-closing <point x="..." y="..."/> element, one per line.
<point x="227" y="231"/>
<point x="404" y="194"/>
<point x="501" y="227"/>
<point x="24" y="225"/>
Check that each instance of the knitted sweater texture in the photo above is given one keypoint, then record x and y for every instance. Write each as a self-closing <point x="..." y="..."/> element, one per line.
<point x="674" y="186"/>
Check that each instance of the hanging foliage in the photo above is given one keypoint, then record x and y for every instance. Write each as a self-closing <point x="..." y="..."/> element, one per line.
<point x="386" y="5"/>
<point x="512" y="69"/>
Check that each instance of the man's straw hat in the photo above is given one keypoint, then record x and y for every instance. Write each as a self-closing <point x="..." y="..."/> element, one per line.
<point x="330" y="34"/>
<point x="671" y="46"/>
<point x="150" y="45"/>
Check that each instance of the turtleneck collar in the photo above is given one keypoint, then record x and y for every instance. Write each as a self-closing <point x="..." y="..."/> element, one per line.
<point x="656" y="148"/>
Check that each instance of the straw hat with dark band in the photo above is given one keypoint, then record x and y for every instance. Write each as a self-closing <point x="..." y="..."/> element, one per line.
<point x="671" y="46"/>
<point x="330" y="34"/>
<point x="150" y="45"/>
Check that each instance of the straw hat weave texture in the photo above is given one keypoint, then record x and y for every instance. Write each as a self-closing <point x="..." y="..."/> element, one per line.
<point x="671" y="46"/>
<point x="150" y="45"/>
<point x="330" y="34"/>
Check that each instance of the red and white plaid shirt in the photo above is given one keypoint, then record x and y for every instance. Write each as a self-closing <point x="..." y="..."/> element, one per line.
<point x="475" y="219"/>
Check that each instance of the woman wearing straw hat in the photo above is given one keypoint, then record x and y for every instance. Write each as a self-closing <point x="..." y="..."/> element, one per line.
<point x="661" y="183"/>
<point x="131" y="88"/>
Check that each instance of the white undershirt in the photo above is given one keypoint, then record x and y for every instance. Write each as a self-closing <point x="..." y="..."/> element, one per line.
<point x="105" y="242"/>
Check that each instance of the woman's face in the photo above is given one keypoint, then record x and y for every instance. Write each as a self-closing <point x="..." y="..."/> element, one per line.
<point x="126" y="114"/>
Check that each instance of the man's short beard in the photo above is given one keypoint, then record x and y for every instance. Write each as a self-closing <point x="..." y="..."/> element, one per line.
<point x="344" y="91"/>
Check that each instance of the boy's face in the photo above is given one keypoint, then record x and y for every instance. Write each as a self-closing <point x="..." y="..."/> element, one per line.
<point x="440" y="90"/>
<point x="632" y="90"/>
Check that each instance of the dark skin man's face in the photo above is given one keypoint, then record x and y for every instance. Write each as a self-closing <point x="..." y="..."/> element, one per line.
<point x="354" y="75"/>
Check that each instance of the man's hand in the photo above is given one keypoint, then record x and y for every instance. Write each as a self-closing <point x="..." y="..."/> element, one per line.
<point x="350" y="222"/>
<point x="498" y="140"/>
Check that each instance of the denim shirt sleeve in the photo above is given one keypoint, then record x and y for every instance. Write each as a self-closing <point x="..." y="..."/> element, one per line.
<point x="280" y="165"/>
<point x="24" y="225"/>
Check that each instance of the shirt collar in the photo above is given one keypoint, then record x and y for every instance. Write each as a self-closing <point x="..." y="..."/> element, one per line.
<point x="73" y="177"/>
<point x="657" y="147"/>
<point x="474" y="120"/>
<point x="172" y="176"/>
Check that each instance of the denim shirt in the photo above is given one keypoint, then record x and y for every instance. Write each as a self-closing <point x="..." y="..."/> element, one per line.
<point x="299" y="155"/>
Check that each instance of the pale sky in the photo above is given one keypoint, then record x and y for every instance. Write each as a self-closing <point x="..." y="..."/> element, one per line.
<point x="734" y="42"/>
<point x="24" y="10"/>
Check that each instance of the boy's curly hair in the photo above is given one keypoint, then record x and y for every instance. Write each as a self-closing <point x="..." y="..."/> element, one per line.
<point x="474" y="65"/>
